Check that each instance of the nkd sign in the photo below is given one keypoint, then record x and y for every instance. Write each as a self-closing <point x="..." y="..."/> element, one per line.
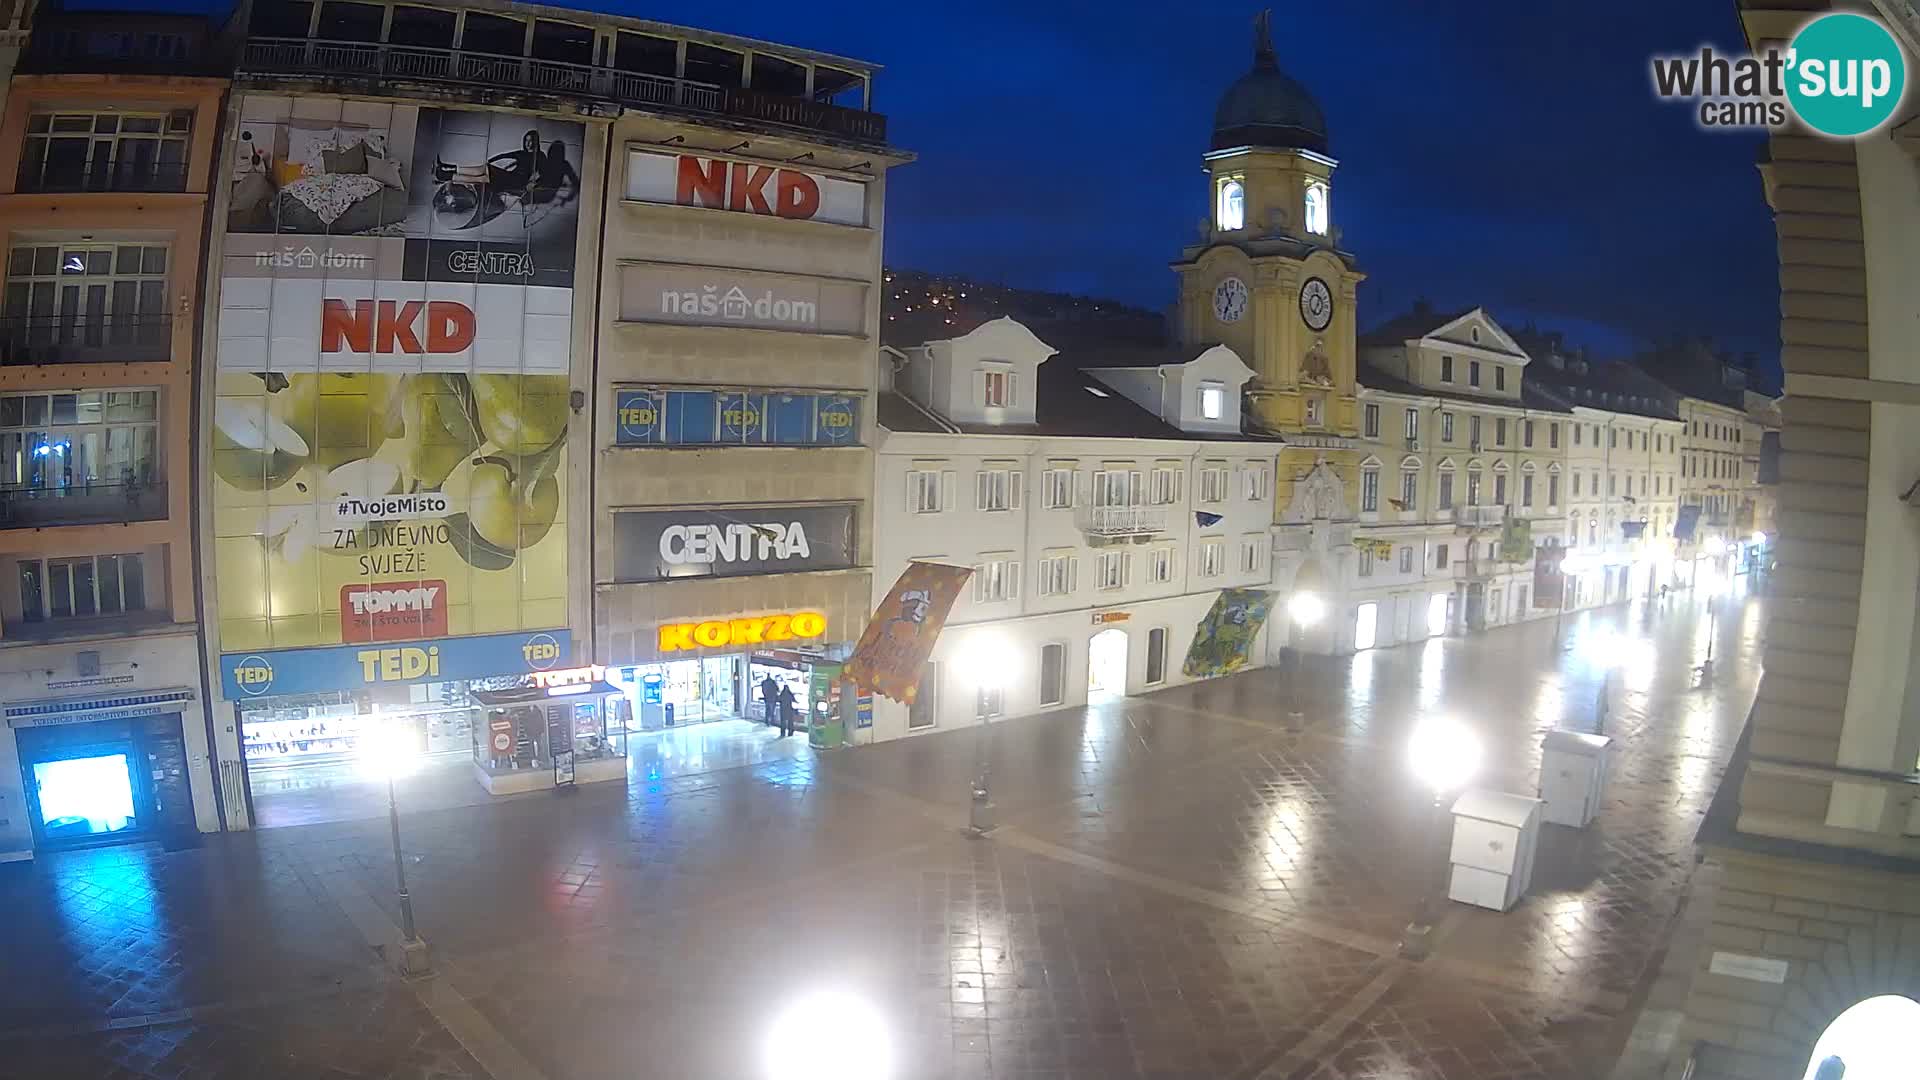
<point x="744" y="187"/>
<point x="697" y="296"/>
<point x="653" y="545"/>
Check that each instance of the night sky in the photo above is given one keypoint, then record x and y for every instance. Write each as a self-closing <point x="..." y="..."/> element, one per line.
<point x="1507" y="153"/>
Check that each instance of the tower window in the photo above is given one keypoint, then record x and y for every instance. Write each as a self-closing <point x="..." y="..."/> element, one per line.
<point x="1233" y="206"/>
<point x="1317" y="209"/>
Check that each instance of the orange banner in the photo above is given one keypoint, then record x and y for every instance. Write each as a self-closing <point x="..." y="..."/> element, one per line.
<point x="896" y="643"/>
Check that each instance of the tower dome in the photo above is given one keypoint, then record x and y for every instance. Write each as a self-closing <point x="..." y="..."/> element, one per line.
<point x="1266" y="107"/>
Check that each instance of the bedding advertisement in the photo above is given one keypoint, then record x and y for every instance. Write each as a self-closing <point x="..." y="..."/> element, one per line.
<point x="390" y="425"/>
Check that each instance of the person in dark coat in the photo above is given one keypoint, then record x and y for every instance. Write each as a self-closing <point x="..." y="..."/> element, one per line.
<point x="770" y="693"/>
<point x="788" y="706"/>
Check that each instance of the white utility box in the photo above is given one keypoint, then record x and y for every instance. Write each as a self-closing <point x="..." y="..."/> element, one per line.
<point x="1494" y="835"/>
<point x="1573" y="776"/>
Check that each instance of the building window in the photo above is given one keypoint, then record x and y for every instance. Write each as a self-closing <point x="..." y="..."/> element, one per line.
<point x="1406" y="560"/>
<point x="989" y="701"/>
<point x="1526" y="434"/>
<point x="1369" y="491"/>
<point x="81" y="587"/>
<point x="1611" y="482"/>
<point x="1446" y="369"/>
<point x="1156" y="656"/>
<point x="1056" y="489"/>
<point x="1473" y="373"/>
<point x="1116" y="487"/>
<point x="924" y="711"/>
<point x="1160" y="563"/>
<point x="658" y="416"/>
<point x="78" y="442"/>
<point x="1316" y="410"/>
<point x="996" y="578"/>
<point x="1499" y="377"/>
<point x="1164" y="485"/>
<point x="1213" y="557"/>
<point x="1473" y="432"/>
<point x="1110" y="571"/>
<point x="1593" y="531"/>
<point x="1440" y="552"/>
<point x="1213" y="400"/>
<point x="1526" y="492"/>
<point x="1446" y="427"/>
<point x="1576" y="484"/>
<point x="1613" y="438"/>
<point x="997" y="488"/>
<point x="1213" y="484"/>
<point x="1500" y="431"/>
<point x="1366" y="562"/>
<point x="1446" y="490"/>
<point x="1473" y="487"/>
<point x="996" y="388"/>
<point x="1409" y="489"/>
<point x="1553" y="436"/>
<point x="1553" y="490"/>
<point x="112" y="151"/>
<point x="1253" y="550"/>
<point x="1499" y="489"/>
<point x="1413" y="427"/>
<point x="88" y="294"/>
<point x="1053" y="673"/>
<point x="1316" y="206"/>
<point x="1576" y="434"/>
<point x="1257" y="486"/>
<point x="1056" y="574"/>
<point x="1371" y="421"/>
<point x="1232" y="213"/>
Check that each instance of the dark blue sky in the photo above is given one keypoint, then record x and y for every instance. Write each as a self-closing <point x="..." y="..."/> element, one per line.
<point x="1508" y="153"/>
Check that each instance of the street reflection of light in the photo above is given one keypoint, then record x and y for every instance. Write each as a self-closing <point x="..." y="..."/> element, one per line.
<point x="829" y="1035"/>
<point x="1433" y="664"/>
<point x="1550" y="707"/>
<point x="1360" y="685"/>
<point x="1607" y="648"/>
<point x="1443" y="753"/>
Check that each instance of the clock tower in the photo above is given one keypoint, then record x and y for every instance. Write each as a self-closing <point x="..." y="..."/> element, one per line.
<point x="1267" y="278"/>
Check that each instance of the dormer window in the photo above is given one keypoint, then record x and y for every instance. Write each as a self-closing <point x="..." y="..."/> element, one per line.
<point x="1232" y="211"/>
<point x="996" y="388"/>
<point x="1316" y="208"/>
<point x="1473" y="334"/>
<point x="1213" y="400"/>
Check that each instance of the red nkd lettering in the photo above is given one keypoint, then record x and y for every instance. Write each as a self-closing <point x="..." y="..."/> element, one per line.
<point x="388" y="326"/>
<point x="796" y="195"/>
<point x="701" y="183"/>
<point x="749" y="191"/>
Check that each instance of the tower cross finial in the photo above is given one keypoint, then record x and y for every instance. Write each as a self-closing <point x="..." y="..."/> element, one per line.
<point x="1263" y="39"/>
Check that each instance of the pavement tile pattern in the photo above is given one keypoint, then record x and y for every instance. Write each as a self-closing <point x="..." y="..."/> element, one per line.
<point x="1183" y="886"/>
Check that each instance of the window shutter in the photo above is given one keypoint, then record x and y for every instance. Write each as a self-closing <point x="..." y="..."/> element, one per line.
<point x="1013" y="579"/>
<point x="1073" y="574"/>
<point x="979" y="582"/>
<point x="1016" y="488"/>
<point x="1013" y="389"/>
<point x="980" y="486"/>
<point x="949" y="489"/>
<point x="1179" y="482"/>
<point x="913" y="491"/>
<point x="1135" y="493"/>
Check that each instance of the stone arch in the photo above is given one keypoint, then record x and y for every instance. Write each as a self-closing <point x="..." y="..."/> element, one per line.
<point x="1874" y="961"/>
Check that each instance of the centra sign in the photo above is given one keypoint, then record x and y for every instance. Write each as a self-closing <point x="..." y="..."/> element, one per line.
<point x="759" y="630"/>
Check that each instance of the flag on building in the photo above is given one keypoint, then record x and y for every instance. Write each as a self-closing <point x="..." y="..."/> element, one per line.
<point x="1549" y="577"/>
<point x="895" y="645"/>
<point x="1224" y="636"/>
<point x="1516" y="540"/>
<point x="1685" y="523"/>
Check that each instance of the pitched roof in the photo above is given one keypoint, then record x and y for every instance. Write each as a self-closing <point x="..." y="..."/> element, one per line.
<point x="1417" y="323"/>
<point x="1375" y="379"/>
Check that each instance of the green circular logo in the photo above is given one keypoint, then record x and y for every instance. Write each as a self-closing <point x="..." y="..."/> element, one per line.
<point x="1845" y="74"/>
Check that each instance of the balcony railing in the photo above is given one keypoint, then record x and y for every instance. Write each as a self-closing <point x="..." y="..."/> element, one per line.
<point x="101" y="174"/>
<point x="271" y="57"/>
<point x="1121" y="520"/>
<point x="81" y="504"/>
<point x="61" y="339"/>
<point x="1479" y="517"/>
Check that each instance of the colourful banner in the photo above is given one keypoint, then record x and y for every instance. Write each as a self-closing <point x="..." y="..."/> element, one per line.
<point x="1516" y="540"/>
<point x="1382" y="549"/>
<point x="1225" y="636"/>
<point x="1548" y="581"/>
<point x="901" y="635"/>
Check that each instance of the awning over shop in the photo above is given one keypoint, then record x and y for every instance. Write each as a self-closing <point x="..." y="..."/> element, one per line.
<point x="530" y="695"/>
<point x="86" y="710"/>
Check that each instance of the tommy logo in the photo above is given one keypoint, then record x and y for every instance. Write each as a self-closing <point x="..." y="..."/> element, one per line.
<point x="395" y="611"/>
<point x="393" y="326"/>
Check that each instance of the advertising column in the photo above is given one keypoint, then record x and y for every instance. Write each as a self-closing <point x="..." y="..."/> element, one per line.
<point x="390" y="422"/>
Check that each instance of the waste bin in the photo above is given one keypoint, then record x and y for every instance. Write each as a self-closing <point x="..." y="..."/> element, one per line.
<point x="1494" y="835"/>
<point x="1573" y="776"/>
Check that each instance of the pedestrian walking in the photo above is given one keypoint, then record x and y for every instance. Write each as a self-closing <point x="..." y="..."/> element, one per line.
<point x="770" y="694"/>
<point x="788" y="706"/>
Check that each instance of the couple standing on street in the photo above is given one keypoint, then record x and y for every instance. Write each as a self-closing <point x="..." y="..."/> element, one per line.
<point x="780" y="703"/>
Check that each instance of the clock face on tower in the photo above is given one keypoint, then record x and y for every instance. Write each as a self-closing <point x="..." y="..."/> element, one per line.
<point x="1316" y="304"/>
<point x="1230" y="300"/>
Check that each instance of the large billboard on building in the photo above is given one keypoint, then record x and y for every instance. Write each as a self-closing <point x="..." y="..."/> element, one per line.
<point x="391" y="387"/>
<point x="744" y="187"/>
<point x="654" y="545"/>
<point x="705" y="296"/>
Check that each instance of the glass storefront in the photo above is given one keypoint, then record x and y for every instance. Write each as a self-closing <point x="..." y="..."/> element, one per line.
<point x="710" y="689"/>
<point x="571" y="729"/>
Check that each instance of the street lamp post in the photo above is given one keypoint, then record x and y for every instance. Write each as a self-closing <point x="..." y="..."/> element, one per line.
<point x="1444" y="755"/>
<point x="987" y="660"/>
<point x="388" y="756"/>
<point x="1305" y="609"/>
<point x="1716" y="548"/>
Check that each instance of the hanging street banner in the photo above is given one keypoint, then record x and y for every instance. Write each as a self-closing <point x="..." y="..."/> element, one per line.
<point x="1516" y="540"/>
<point x="1549" y="583"/>
<point x="1685" y="523"/>
<point x="888" y="658"/>
<point x="1225" y="635"/>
